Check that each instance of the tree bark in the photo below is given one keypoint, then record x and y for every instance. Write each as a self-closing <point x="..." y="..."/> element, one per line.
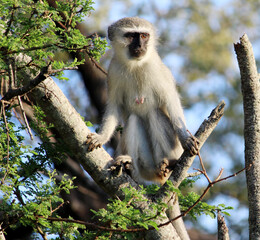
<point x="251" y="101"/>
<point x="222" y="228"/>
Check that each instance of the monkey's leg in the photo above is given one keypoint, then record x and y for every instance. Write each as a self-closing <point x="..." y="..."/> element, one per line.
<point x="138" y="147"/>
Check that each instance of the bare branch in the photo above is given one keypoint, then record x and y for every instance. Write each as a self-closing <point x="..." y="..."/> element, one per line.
<point x="8" y="142"/>
<point x="222" y="228"/>
<point x="251" y="101"/>
<point x="2" y="236"/>
<point x="41" y="232"/>
<point x="28" y="87"/>
<point x="24" y="117"/>
<point x="52" y="72"/>
<point x="195" y="174"/>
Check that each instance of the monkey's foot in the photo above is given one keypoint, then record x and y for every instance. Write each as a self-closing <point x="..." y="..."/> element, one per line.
<point x="120" y="163"/>
<point x="192" y="144"/>
<point x="162" y="168"/>
<point x="93" y="141"/>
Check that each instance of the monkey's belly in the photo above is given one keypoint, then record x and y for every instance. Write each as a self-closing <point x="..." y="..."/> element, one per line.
<point x="148" y="140"/>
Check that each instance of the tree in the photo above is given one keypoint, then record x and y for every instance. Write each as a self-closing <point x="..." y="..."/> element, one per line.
<point x="251" y="100"/>
<point x="25" y="74"/>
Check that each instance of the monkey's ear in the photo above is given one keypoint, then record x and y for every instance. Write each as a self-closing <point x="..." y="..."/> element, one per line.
<point x="111" y="32"/>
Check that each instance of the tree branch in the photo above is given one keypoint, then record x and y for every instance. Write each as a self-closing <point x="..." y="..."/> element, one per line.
<point x="27" y="87"/>
<point x="186" y="160"/>
<point x="222" y="228"/>
<point x="45" y="72"/>
<point x="251" y="101"/>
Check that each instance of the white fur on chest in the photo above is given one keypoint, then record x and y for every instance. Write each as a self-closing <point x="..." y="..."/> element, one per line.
<point x="138" y="94"/>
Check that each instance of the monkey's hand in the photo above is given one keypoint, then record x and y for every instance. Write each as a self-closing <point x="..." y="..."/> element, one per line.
<point x="191" y="144"/>
<point x="94" y="141"/>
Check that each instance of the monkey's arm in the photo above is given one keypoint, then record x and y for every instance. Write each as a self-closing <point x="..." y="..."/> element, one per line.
<point x="176" y="115"/>
<point x="109" y="124"/>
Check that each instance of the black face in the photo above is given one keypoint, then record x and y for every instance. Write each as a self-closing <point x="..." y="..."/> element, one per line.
<point x="138" y="43"/>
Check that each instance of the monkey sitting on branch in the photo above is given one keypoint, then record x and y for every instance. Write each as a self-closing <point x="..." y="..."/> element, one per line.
<point x="142" y="95"/>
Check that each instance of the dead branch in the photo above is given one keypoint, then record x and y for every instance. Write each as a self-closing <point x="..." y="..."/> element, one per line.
<point x="27" y="87"/>
<point x="8" y="143"/>
<point x="222" y="228"/>
<point x="24" y="117"/>
<point x="250" y="86"/>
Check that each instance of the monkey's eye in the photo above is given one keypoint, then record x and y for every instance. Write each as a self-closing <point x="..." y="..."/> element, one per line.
<point x="144" y="35"/>
<point x="129" y="35"/>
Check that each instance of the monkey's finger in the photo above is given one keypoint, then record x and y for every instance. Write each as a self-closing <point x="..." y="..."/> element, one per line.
<point x="88" y="141"/>
<point x="91" y="147"/>
<point x="89" y="138"/>
<point x="195" y="142"/>
<point x="94" y="145"/>
<point x="191" y="148"/>
<point x="194" y="150"/>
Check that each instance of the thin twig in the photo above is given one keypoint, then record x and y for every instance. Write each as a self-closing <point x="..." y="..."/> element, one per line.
<point x="203" y="168"/>
<point x="11" y="73"/>
<point x="8" y="144"/>
<point x="204" y="193"/>
<point x="219" y="175"/>
<point x="43" y="234"/>
<point x="6" y="52"/>
<point x="235" y="174"/>
<point x="57" y="208"/>
<point x="194" y="174"/>
<point x="28" y="87"/>
<point x="17" y="117"/>
<point x="2" y="86"/>
<point x="45" y="72"/>
<point x="24" y="117"/>
<point x="11" y="20"/>
<point x="96" y="64"/>
<point x="204" y="172"/>
<point x="62" y="69"/>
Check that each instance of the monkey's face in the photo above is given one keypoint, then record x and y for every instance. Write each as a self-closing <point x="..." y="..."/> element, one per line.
<point x="137" y="43"/>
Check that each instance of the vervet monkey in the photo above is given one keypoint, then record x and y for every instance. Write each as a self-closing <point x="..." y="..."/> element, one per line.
<point x="142" y="94"/>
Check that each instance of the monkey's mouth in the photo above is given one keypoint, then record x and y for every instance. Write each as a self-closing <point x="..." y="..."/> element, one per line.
<point x="136" y="53"/>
